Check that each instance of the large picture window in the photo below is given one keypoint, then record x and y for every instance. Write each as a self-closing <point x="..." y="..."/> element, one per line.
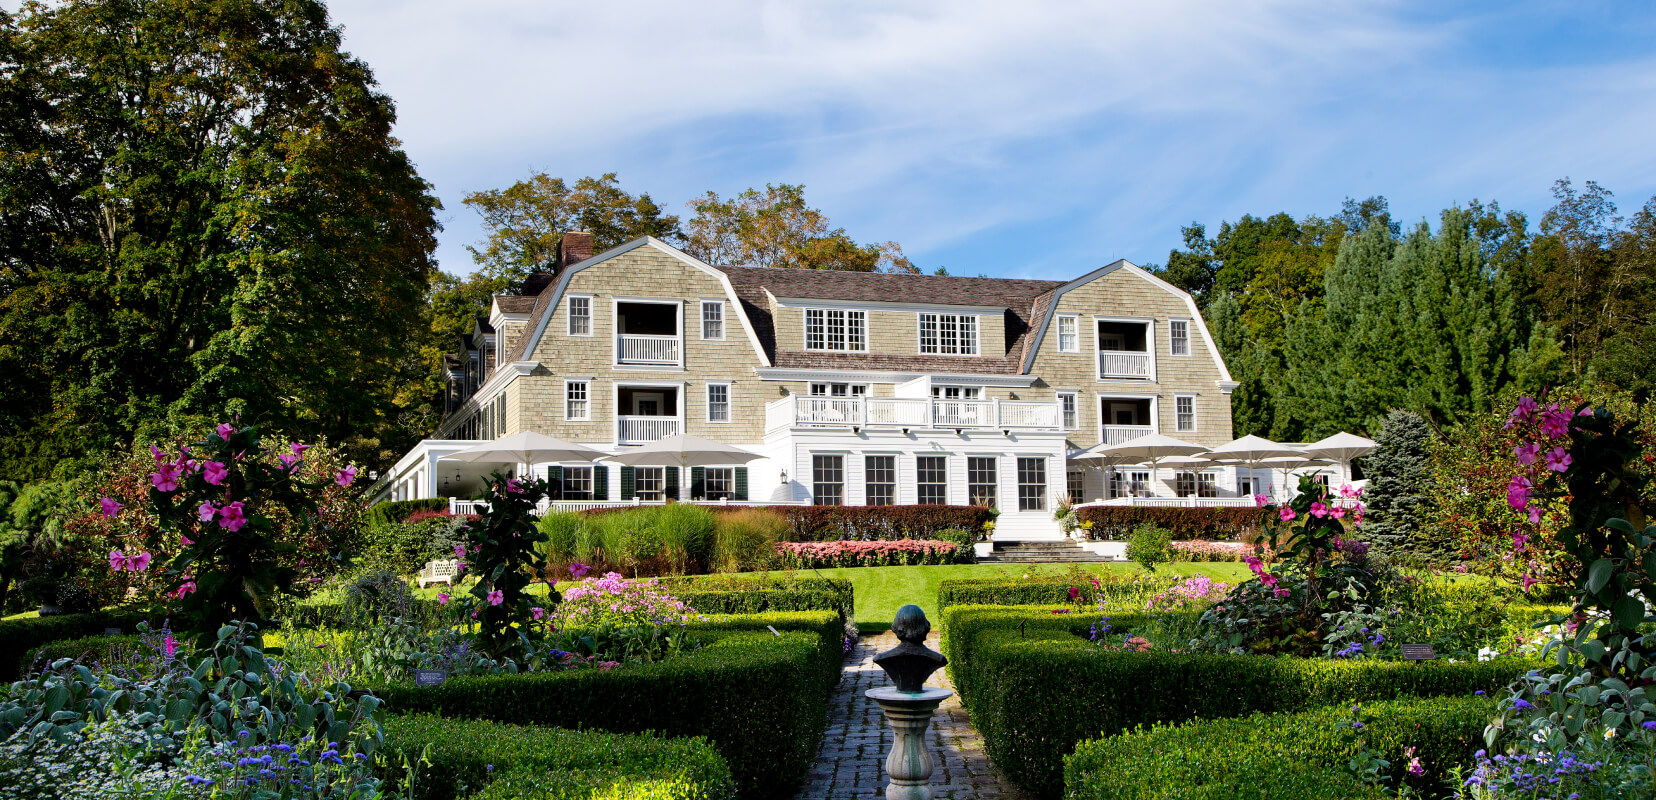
<point x="650" y="483"/>
<point x="1032" y="484"/>
<point x="836" y="329"/>
<point x="880" y="480"/>
<point x="828" y="480"/>
<point x="932" y="479"/>
<point x="981" y="481"/>
<point x="949" y="334"/>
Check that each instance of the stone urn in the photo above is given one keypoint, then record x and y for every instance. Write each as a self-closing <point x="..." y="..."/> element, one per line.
<point x="909" y="705"/>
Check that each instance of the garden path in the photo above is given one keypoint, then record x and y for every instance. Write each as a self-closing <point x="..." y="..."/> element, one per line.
<point x="851" y="763"/>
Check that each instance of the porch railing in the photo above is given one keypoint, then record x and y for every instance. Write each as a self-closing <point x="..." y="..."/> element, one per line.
<point x="643" y="430"/>
<point x="1121" y="434"/>
<point x="1116" y="364"/>
<point x="909" y="412"/>
<point x="632" y="348"/>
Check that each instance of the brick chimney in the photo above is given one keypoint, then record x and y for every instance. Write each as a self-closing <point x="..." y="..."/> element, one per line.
<point x="574" y="247"/>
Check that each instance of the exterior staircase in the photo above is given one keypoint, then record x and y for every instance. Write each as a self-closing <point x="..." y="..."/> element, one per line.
<point x="1040" y="552"/>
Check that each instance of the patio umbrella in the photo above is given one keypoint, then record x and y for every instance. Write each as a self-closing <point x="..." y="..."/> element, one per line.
<point x="1150" y="449"/>
<point x="1288" y="465"/>
<point x="1250" y="450"/>
<point x="684" y="451"/>
<point x="1341" y="448"/>
<point x="525" y="448"/>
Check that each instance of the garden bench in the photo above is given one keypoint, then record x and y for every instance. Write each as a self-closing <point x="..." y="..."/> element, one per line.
<point x="440" y="571"/>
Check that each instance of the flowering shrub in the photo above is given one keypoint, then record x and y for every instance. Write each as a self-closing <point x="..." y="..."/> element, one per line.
<point x="1219" y="551"/>
<point x="1118" y="522"/>
<point x="613" y="599"/>
<point x="501" y="551"/>
<point x="1189" y="594"/>
<point x="902" y="552"/>
<point x="1597" y="767"/>
<point x="880" y="523"/>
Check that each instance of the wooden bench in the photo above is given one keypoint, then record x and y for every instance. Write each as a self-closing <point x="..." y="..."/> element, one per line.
<point x="440" y="571"/>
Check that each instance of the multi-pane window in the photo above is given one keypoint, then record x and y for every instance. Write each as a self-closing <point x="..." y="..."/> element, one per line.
<point x="1032" y="484"/>
<point x="836" y="329"/>
<point x="1196" y="484"/>
<point x="1140" y="484"/>
<point x="718" y="402"/>
<point x="880" y="480"/>
<point x="1207" y="485"/>
<point x="981" y="481"/>
<point x="1067" y="409"/>
<point x="828" y="480"/>
<point x="577" y="483"/>
<point x="1178" y="341"/>
<point x="1076" y="483"/>
<point x="650" y="483"/>
<point x="1184" y="484"/>
<point x="577" y="400"/>
<point x="712" y="319"/>
<point x="1184" y="412"/>
<point x="500" y="415"/>
<point x="932" y="479"/>
<point x="718" y="482"/>
<point x="1129" y="484"/>
<point x="958" y="392"/>
<point x="949" y="334"/>
<point x="580" y="316"/>
<point x="820" y="389"/>
<point x="1069" y="336"/>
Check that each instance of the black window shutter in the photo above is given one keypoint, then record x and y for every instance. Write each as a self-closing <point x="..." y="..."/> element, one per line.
<point x="739" y="491"/>
<point x="554" y="476"/>
<point x="628" y="491"/>
<point x="671" y="484"/>
<point x="600" y="482"/>
<point x="698" y="483"/>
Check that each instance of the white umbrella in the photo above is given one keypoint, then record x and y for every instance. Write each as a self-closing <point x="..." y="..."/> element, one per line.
<point x="525" y="448"/>
<point x="1341" y="448"/>
<point x="684" y="451"/>
<point x="1288" y="465"/>
<point x="1250" y="450"/>
<point x="1152" y="449"/>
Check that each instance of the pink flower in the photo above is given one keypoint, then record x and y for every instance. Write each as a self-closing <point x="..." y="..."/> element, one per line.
<point x="514" y="487"/>
<point x="232" y="517"/>
<point x="1414" y="768"/>
<point x="1348" y="491"/>
<point x="347" y="476"/>
<point x="158" y="454"/>
<point x="214" y="473"/>
<point x="1556" y="422"/>
<point x="1529" y="581"/>
<point x="225" y="430"/>
<point x="117" y="560"/>
<point x="110" y="507"/>
<point x="578" y="569"/>
<point x="1287" y="514"/>
<point x="1523" y="412"/>
<point x="496" y="597"/>
<point x="1558" y="459"/>
<point x="1526" y="453"/>
<point x="207" y="512"/>
<point x="1260" y="500"/>
<point x="459" y="551"/>
<point x="1518" y="492"/>
<point x="170" y="645"/>
<point x="537" y="612"/>
<point x="1519" y="540"/>
<point x="165" y="477"/>
<point x="297" y="448"/>
<point x="609" y="665"/>
<point x="138" y="563"/>
<point x="442" y="598"/>
<point x="187" y="587"/>
<point x="1534" y="512"/>
<point x="1281" y="592"/>
<point x="289" y="460"/>
<point x="185" y="539"/>
<point x="1357" y="514"/>
<point x="1337" y="512"/>
<point x="1319" y="510"/>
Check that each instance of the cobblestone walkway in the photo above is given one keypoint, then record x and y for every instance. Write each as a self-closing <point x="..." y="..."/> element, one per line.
<point x="852" y="761"/>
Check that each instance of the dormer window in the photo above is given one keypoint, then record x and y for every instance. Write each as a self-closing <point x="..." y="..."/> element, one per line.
<point x="949" y="334"/>
<point x="836" y="329"/>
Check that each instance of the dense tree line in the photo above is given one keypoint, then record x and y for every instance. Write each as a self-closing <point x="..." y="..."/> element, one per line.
<point x="1329" y="323"/>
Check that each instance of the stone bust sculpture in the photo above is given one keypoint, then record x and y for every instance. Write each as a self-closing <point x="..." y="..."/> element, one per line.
<point x="910" y="663"/>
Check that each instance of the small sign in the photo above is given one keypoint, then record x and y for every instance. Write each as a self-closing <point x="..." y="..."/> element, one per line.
<point x="113" y="632"/>
<point x="773" y="630"/>
<point x="430" y="677"/>
<point x="1418" y="652"/>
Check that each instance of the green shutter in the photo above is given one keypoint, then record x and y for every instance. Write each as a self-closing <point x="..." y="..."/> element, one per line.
<point x="554" y="476"/>
<point x="628" y="491"/>
<point x="670" y="485"/>
<point x="698" y="483"/>
<point x="739" y="493"/>
<point x="600" y="482"/>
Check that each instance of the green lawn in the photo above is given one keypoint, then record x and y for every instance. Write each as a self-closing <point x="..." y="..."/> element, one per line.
<point x="880" y="591"/>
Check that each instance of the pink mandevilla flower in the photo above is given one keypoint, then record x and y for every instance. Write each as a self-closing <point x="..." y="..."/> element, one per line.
<point x="117" y="560"/>
<point x="537" y="612"/>
<point x="1319" y="510"/>
<point x="1534" y="512"/>
<point x="214" y="473"/>
<point x="1337" y="512"/>
<point x="1518" y="492"/>
<point x="347" y="476"/>
<point x="1526" y="453"/>
<point x="289" y="460"/>
<point x="225" y="430"/>
<point x="496" y="597"/>
<point x="165" y="477"/>
<point x="1555" y="423"/>
<point x="1523" y="412"/>
<point x="514" y="487"/>
<point x="187" y="587"/>
<point x="138" y="563"/>
<point x="578" y="570"/>
<point x="1287" y="514"/>
<point x="207" y="511"/>
<point x="1349" y="491"/>
<point x="158" y="454"/>
<point x="1260" y="500"/>
<point x="232" y="517"/>
<point x="1558" y="459"/>
<point x="110" y="507"/>
<point x="297" y="448"/>
<point x="442" y="598"/>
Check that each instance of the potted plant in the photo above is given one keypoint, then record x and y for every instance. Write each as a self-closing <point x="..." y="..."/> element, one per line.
<point x="44" y="589"/>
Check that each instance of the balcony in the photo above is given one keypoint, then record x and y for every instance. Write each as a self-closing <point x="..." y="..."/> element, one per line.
<point x="1117" y="364"/>
<point x="634" y="348"/>
<point x="633" y="429"/>
<point x="902" y="412"/>
<point x="1121" y="434"/>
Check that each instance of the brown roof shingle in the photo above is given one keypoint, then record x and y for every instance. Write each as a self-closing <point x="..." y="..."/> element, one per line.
<point x="514" y="304"/>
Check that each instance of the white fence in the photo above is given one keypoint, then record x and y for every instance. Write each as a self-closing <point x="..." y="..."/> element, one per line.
<point x="643" y="430"/>
<point x="1120" y="434"/>
<point x="912" y="413"/>
<point x="632" y="348"/>
<point x="1116" y="364"/>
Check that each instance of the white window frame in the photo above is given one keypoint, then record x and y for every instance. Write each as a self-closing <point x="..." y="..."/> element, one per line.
<point x="569" y="470"/>
<point x="586" y="391"/>
<point x="816" y="496"/>
<point x="724" y="474"/>
<point x="1044" y="498"/>
<point x="1149" y="324"/>
<point x="569" y="311"/>
<point x="726" y="403"/>
<point x="964" y="393"/>
<point x="994" y="478"/>
<point x="961" y="340"/>
<point x="1178" y="425"/>
<point x="947" y="466"/>
<point x="1069" y="418"/>
<point x="720" y="306"/>
<point x="1074" y="333"/>
<point x="660" y="492"/>
<point x="895" y="483"/>
<point x="1173" y="340"/>
<point x="851" y="389"/>
<point x="853" y="334"/>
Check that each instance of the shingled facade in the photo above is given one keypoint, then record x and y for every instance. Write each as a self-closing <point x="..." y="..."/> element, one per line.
<point x="856" y="388"/>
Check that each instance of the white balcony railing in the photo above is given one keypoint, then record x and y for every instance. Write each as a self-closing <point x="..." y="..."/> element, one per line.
<point x="962" y="414"/>
<point x="1028" y="414"/>
<point x="1116" y="364"/>
<point x="830" y="410"/>
<point x="911" y="413"/>
<point x="1121" y="434"/>
<point x="902" y="412"/>
<point x="643" y="430"/>
<point x="632" y="348"/>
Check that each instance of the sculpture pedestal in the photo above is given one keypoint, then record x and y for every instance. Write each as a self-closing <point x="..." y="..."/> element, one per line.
<point x="910" y="763"/>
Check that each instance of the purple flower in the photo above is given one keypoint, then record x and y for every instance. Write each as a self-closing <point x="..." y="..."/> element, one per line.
<point x="1526" y="453"/>
<point x="225" y="430"/>
<point x="207" y="511"/>
<point x="578" y="569"/>
<point x="1524" y="412"/>
<point x="231" y="517"/>
<point x="110" y="507"/>
<point x="214" y="473"/>
<point x="347" y="476"/>
<point x="1555" y="423"/>
<point x="1521" y="704"/>
<point x="496" y="597"/>
<point x="1518" y="492"/>
<point x="165" y="477"/>
<point x="1558" y="459"/>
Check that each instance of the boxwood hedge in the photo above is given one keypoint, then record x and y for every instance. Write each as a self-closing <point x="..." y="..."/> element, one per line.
<point x="1035" y="688"/>
<point x="474" y="760"/>
<point x="760" y="698"/>
<point x="20" y="636"/>
<point x="1299" y="756"/>
<point x="1040" y="589"/>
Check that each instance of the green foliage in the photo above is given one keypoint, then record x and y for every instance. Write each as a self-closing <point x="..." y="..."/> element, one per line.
<point x="830" y="523"/>
<point x="503" y="556"/>
<point x="387" y="512"/>
<point x="1396" y="492"/>
<point x="205" y="212"/>
<point x="1150" y="546"/>
<point x="19" y="636"/>
<point x="746" y="539"/>
<point x="747" y="594"/>
<point x="475" y="760"/>
<point x="1185" y="524"/>
<point x="776" y="228"/>
<point x="1300" y="756"/>
<point x="1035" y="687"/>
<point x="760" y="699"/>
<point x="676" y="538"/>
<point x="1089" y="589"/>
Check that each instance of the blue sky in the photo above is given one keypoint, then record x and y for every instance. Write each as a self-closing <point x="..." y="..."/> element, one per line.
<point x="1023" y="139"/>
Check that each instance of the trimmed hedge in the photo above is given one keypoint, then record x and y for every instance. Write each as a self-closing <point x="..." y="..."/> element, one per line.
<point x="761" y="699"/>
<point x="1038" y="590"/>
<point x="19" y="636"/>
<point x="1118" y="522"/>
<point x="474" y="760"/>
<point x="84" y="649"/>
<point x="1035" y="688"/>
<point x="751" y="594"/>
<point x="822" y="623"/>
<point x="868" y="523"/>
<point x="390" y="511"/>
<point x="1302" y="756"/>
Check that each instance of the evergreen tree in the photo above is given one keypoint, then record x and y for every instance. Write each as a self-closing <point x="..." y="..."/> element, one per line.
<point x="1396" y="493"/>
<point x="1252" y="404"/>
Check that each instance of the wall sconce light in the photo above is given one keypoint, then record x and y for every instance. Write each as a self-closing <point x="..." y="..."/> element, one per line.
<point x="784" y="476"/>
